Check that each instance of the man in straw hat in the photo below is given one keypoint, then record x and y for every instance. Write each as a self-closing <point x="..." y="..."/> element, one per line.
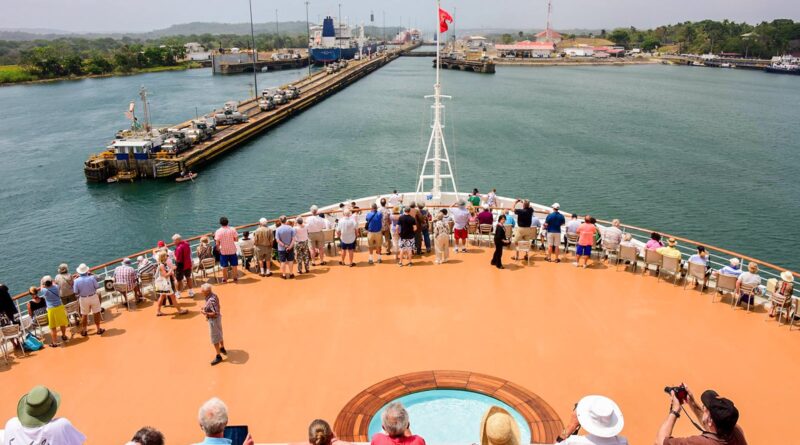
<point x="600" y="417"/>
<point x="85" y="287"/>
<point x="35" y="422"/>
<point x="718" y="417"/>
<point x="396" y="427"/>
<point x="499" y="428"/>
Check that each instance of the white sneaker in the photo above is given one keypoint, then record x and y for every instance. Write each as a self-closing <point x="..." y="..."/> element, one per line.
<point x="455" y="250"/>
<point x="575" y="264"/>
<point x="177" y="294"/>
<point x="191" y="294"/>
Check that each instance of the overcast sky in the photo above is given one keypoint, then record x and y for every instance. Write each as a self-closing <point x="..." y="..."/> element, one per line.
<point x="146" y="15"/>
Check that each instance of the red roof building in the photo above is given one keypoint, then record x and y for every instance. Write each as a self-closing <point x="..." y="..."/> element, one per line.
<point x="548" y="36"/>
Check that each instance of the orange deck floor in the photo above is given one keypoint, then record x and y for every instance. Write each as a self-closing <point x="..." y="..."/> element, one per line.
<point x="301" y="349"/>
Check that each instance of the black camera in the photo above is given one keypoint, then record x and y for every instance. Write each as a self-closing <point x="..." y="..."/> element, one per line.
<point x="680" y="392"/>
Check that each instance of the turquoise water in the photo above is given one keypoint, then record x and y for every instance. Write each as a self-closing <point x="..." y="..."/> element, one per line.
<point x="706" y="153"/>
<point x="449" y="416"/>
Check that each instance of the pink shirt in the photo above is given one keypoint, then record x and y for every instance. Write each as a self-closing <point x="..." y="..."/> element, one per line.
<point x="226" y="240"/>
<point x="586" y="233"/>
<point x="653" y="245"/>
<point x="384" y="439"/>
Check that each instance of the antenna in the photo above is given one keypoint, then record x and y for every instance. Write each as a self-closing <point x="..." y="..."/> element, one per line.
<point x="548" y="33"/>
<point x="436" y="141"/>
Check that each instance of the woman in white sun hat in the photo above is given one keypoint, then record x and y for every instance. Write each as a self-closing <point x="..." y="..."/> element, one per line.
<point x="602" y="420"/>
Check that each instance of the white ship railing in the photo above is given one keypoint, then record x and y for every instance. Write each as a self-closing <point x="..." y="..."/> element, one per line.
<point x="718" y="257"/>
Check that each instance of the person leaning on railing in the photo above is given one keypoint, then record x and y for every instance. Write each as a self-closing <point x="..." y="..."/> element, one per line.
<point x="718" y="417"/>
<point x="64" y="280"/>
<point x="8" y="310"/>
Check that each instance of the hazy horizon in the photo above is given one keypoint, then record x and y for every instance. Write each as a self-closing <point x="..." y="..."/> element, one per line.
<point x="115" y="16"/>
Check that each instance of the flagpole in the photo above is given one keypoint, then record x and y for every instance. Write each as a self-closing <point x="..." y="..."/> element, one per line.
<point x="437" y="111"/>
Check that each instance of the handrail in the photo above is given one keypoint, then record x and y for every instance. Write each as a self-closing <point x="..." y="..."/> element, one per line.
<point x="440" y="206"/>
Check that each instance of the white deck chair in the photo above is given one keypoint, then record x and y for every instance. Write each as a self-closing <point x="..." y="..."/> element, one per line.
<point x="672" y="266"/>
<point x="629" y="253"/>
<point x="13" y="332"/>
<point x="725" y="283"/>
<point x="697" y="272"/>
<point x="122" y="291"/>
<point x="570" y="240"/>
<point x="329" y="238"/>
<point x="524" y="246"/>
<point x="651" y="257"/>
<point x="205" y="265"/>
<point x="485" y="233"/>
<point x="744" y="289"/>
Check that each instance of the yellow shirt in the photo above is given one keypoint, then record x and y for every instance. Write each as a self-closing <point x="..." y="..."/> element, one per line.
<point x="669" y="252"/>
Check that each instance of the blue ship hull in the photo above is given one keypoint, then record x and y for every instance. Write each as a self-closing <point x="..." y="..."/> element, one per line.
<point x="321" y="56"/>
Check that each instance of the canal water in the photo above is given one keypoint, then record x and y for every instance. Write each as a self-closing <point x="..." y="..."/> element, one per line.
<point x="709" y="154"/>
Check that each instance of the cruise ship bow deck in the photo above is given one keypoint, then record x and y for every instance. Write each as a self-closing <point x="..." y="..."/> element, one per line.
<point x="302" y="349"/>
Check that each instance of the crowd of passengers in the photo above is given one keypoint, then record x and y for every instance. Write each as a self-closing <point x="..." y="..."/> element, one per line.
<point x="599" y="417"/>
<point x="393" y="227"/>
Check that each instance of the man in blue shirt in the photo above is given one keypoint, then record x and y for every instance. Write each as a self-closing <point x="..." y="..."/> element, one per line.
<point x="284" y="236"/>
<point x="374" y="224"/>
<point x="85" y="287"/>
<point x="553" y="224"/>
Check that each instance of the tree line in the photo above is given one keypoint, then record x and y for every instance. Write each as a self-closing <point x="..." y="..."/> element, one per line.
<point x="75" y="56"/>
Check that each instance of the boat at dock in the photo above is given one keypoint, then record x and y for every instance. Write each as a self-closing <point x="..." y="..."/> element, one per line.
<point x="334" y="41"/>
<point x="784" y="65"/>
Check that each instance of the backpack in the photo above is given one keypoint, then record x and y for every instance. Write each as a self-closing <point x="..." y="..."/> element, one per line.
<point x="31" y="343"/>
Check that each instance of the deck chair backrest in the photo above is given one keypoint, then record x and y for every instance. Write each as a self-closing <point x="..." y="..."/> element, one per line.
<point x="572" y="237"/>
<point x="652" y="257"/>
<point x="485" y="228"/>
<point x="207" y="263"/>
<point x="524" y="246"/>
<point x="328" y="235"/>
<point x="697" y="270"/>
<point x="630" y="253"/>
<point x="726" y="282"/>
<point x="772" y="284"/>
<point x="41" y="320"/>
<point x="247" y="251"/>
<point x="748" y="288"/>
<point x="670" y="264"/>
<point x="10" y="330"/>
<point x="508" y="229"/>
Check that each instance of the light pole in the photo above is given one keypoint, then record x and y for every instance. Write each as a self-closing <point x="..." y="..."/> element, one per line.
<point x="308" y="41"/>
<point x="255" y="51"/>
<point x="339" y="41"/>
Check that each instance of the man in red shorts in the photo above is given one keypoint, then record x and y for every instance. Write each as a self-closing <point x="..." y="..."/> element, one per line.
<point x="460" y="216"/>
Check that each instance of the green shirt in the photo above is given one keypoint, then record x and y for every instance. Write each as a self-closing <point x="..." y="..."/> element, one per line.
<point x="475" y="200"/>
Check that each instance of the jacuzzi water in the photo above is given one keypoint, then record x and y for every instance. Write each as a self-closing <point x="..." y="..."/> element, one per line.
<point x="445" y="416"/>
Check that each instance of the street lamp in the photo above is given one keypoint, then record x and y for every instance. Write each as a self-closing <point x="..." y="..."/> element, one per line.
<point x="255" y="51"/>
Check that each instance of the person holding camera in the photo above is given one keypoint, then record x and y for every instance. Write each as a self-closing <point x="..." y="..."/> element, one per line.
<point x="718" y="417"/>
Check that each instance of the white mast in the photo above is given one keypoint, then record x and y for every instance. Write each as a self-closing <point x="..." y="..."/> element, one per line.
<point x="437" y="136"/>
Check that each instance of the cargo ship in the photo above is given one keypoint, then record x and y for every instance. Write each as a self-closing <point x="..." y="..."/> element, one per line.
<point x="334" y="41"/>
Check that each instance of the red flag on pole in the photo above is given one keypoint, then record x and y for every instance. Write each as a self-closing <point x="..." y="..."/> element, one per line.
<point x="444" y="19"/>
